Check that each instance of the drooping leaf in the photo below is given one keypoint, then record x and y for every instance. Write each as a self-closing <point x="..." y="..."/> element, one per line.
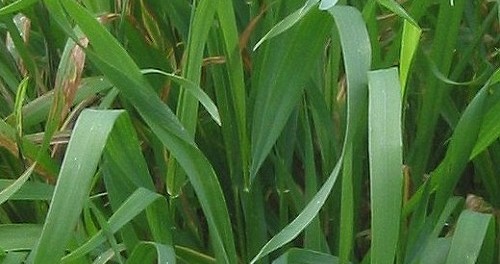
<point x="288" y="64"/>
<point x="356" y="51"/>
<point x="288" y="22"/>
<point x="111" y="58"/>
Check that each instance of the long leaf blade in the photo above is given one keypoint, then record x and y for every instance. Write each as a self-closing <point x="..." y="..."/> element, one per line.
<point x="385" y="155"/>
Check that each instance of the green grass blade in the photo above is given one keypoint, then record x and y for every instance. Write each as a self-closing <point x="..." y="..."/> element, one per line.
<point x="444" y="43"/>
<point x="327" y="4"/>
<point x="471" y="230"/>
<point x="190" y="256"/>
<point x="409" y="43"/>
<point x="136" y="203"/>
<point x="287" y="23"/>
<point x="288" y="63"/>
<point x="187" y="108"/>
<point x="323" y="125"/>
<point x="356" y="51"/>
<point x="14" y="257"/>
<point x="302" y="256"/>
<point x="35" y="112"/>
<point x="190" y="157"/>
<point x="194" y="90"/>
<point x="490" y="129"/>
<point x="21" y="49"/>
<point x="445" y="177"/>
<point x="148" y="252"/>
<point x="160" y="223"/>
<point x="437" y="250"/>
<point x="236" y="87"/>
<point x="313" y="237"/>
<point x="18" y="104"/>
<point x="47" y="166"/>
<point x="119" y="68"/>
<point x="16" y="6"/>
<point x="130" y="208"/>
<point x="395" y="7"/>
<point x="16" y="237"/>
<point x="461" y="144"/>
<point x="495" y="77"/>
<point x="346" y="239"/>
<point x="125" y="169"/>
<point x="293" y="229"/>
<point x="78" y="168"/>
<point x="28" y="190"/>
<point x="198" y="35"/>
<point x="385" y="155"/>
<point x="424" y="240"/>
<point x="7" y="193"/>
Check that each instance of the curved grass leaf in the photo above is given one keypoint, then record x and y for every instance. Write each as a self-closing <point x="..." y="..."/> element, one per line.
<point x="288" y="22"/>
<point x="386" y="162"/>
<point x="149" y="252"/>
<point x="118" y="67"/>
<point x="356" y="51"/>
<point x="293" y="229"/>
<point x="288" y="63"/>
<point x="193" y="89"/>
<point x="135" y="204"/>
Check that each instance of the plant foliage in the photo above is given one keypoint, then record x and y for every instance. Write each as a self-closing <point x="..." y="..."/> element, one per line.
<point x="259" y="131"/>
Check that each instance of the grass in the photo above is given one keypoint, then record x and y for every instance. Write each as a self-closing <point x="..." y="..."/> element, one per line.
<point x="249" y="131"/>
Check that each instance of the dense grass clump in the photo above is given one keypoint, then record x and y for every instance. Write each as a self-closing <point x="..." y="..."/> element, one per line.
<point x="259" y="131"/>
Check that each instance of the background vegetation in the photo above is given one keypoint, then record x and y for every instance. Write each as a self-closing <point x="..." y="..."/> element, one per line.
<point x="258" y="131"/>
